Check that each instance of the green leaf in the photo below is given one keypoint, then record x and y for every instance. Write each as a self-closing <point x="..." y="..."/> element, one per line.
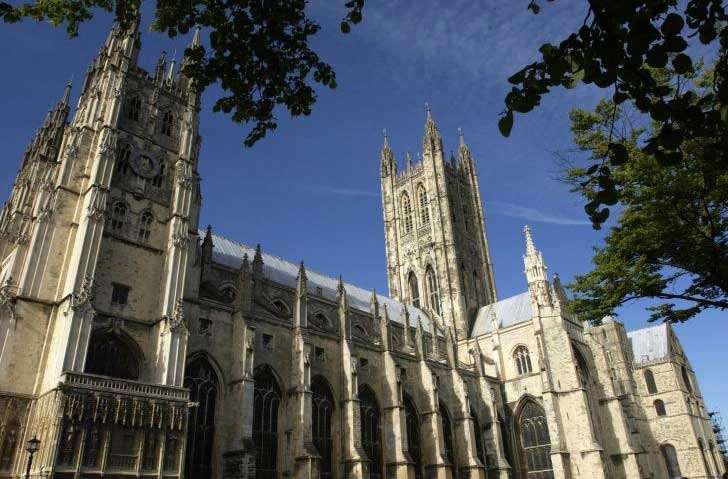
<point x="682" y="64"/>
<point x="673" y="24"/>
<point x="506" y="123"/>
<point x="618" y="154"/>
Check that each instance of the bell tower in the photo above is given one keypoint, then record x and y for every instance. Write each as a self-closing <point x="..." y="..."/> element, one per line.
<point x="437" y="250"/>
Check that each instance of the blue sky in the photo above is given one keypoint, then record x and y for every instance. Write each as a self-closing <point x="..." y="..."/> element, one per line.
<point x="310" y="191"/>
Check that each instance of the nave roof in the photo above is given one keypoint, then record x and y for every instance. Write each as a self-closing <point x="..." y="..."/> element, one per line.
<point x="508" y="311"/>
<point x="230" y="253"/>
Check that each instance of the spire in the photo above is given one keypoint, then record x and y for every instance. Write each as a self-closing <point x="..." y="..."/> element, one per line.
<point x="463" y="149"/>
<point x="301" y="279"/>
<point x="258" y="261"/>
<point x="161" y="65"/>
<point x="408" y="160"/>
<point x="432" y="134"/>
<point x="530" y="246"/>
<point x="170" y="74"/>
<point x="374" y="305"/>
<point x="386" y="156"/>
<point x="66" y="94"/>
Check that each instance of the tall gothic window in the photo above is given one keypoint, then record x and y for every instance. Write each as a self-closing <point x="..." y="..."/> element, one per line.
<point x="479" y="446"/>
<point x="322" y="412"/>
<point x="414" y="289"/>
<point x="534" y="442"/>
<point x="686" y="379"/>
<point x="406" y="214"/>
<point x="522" y="358"/>
<point x="412" y="420"/>
<point x="9" y="444"/>
<point x="145" y="226"/>
<point x="118" y="216"/>
<point x="167" y="123"/>
<point x="650" y="381"/>
<point x="122" y="160"/>
<point x="134" y="108"/>
<point x="476" y="288"/>
<point x="110" y="354"/>
<point x="424" y="208"/>
<point x="159" y="179"/>
<point x="432" y="289"/>
<point x="201" y="380"/>
<point x="669" y="455"/>
<point x="447" y="434"/>
<point x="660" y="407"/>
<point x="266" y="400"/>
<point x="371" y="431"/>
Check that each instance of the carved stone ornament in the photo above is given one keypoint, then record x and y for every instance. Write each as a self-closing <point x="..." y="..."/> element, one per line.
<point x="82" y="299"/>
<point x="180" y="240"/>
<point x="176" y="321"/>
<point x="108" y="143"/>
<point x="145" y="166"/>
<point x="7" y="301"/>
<point x="71" y="151"/>
<point x="183" y="174"/>
<point x="97" y="205"/>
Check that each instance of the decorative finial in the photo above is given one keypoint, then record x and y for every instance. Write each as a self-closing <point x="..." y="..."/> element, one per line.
<point x="386" y="138"/>
<point x="428" y="111"/>
<point x="530" y="246"/>
<point x="461" y="137"/>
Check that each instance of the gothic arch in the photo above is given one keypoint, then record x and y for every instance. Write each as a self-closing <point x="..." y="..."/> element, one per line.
<point x="113" y="353"/>
<point x="672" y="465"/>
<point x="202" y="354"/>
<point x="522" y="359"/>
<point x="532" y="441"/>
<point x="433" y="289"/>
<point x="204" y="384"/>
<point x="371" y="430"/>
<point x="413" y="289"/>
<point x="322" y="416"/>
<point x="412" y="421"/>
<point x="447" y="434"/>
<point x="146" y="222"/>
<point x="650" y="381"/>
<point x="423" y="205"/>
<point x="406" y="213"/>
<point x="267" y="400"/>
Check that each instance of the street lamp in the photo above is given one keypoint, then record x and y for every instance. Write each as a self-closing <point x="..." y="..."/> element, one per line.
<point x="32" y="447"/>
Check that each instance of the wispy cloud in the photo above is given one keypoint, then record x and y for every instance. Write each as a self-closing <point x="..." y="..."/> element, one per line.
<point x="531" y="214"/>
<point x="341" y="191"/>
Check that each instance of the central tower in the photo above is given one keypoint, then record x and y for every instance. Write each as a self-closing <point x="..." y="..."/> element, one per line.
<point x="437" y="251"/>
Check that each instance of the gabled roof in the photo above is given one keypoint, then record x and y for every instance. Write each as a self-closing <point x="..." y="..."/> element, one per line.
<point x="230" y="253"/>
<point x="509" y="311"/>
<point x="649" y="344"/>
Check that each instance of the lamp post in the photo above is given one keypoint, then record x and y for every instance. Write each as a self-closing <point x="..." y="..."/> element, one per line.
<point x="32" y="447"/>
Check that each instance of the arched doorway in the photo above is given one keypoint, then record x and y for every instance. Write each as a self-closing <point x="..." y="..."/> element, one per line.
<point x="201" y="380"/>
<point x="266" y="399"/>
<point x="534" y="442"/>
<point x="412" y="420"/>
<point x="322" y="414"/>
<point x="371" y="432"/>
<point x="114" y="355"/>
<point x="447" y="435"/>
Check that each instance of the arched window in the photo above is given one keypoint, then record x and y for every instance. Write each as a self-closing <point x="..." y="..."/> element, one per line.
<point x="167" y="123"/>
<point x="110" y="354"/>
<point x="281" y="307"/>
<point x="201" y="380"/>
<point x="534" y="442"/>
<point x="522" y="358"/>
<point x="686" y="379"/>
<point x="266" y="400"/>
<point x="122" y="160"/>
<point x="9" y="444"/>
<point x="432" y="289"/>
<point x="650" y="381"/>
<point x="714" y="458"/>
<point x="424" y="208"/>
<point x="412" y="420"/>
<point x="582" y="370"/>
<point x="371" y="431"/>
<point x="322" y="414"/>
<point x="660" y="407"/>
<point x="447" y="434"/>
<point x="158" y="180"/>
<point x="134" y="108"/>
<point x="145" y="226"/>
<point x="669" y="455"/>
<point x="118" y="216"/>
<point x="406" y="214"/>
<point x="479" y="446"/>
<point x="701" y="446"/>
<point x="414" y="289"/>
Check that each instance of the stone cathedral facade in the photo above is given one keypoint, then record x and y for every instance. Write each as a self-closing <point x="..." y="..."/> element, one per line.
<point x="135" y="345"/>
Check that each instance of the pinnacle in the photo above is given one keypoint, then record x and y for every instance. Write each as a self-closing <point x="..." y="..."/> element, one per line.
<point x="530" y="246"/>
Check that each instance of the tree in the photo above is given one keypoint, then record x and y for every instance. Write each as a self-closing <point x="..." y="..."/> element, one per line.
<point x="619" y="46"/>
<point x="671" y="239"/>
<point x="259" y="50"/>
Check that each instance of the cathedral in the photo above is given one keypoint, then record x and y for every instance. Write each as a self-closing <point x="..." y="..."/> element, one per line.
<point x="135" y="344"/>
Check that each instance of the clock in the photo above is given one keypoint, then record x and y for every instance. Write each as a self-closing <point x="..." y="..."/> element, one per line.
<point x="145" y="166"/>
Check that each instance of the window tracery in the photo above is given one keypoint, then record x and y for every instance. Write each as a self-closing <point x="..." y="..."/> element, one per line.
<point x="322" y="415"/>
<point x="201" y="380"/>
<point x="406" y="214"/>
<point x="122" y="160"/>
<point x="522" y="358"/>
<point x="134" y="108"/>
<point x="266" y="401"/>
<point x="167" y="123"/>
<point x="424" y="205"/>
<point x="534" y="442"/>
<point x="414" y="290"/>
<point x="111" y="355"/>
<point x="371" y="433"/>
<point x="118" y="216"/>
<point x="145" y="226"/>
<point x="433" y="289"/>
<point x="412" y="421"/>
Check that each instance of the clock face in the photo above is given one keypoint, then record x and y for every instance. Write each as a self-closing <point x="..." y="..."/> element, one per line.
<point x="145" y="166"/>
